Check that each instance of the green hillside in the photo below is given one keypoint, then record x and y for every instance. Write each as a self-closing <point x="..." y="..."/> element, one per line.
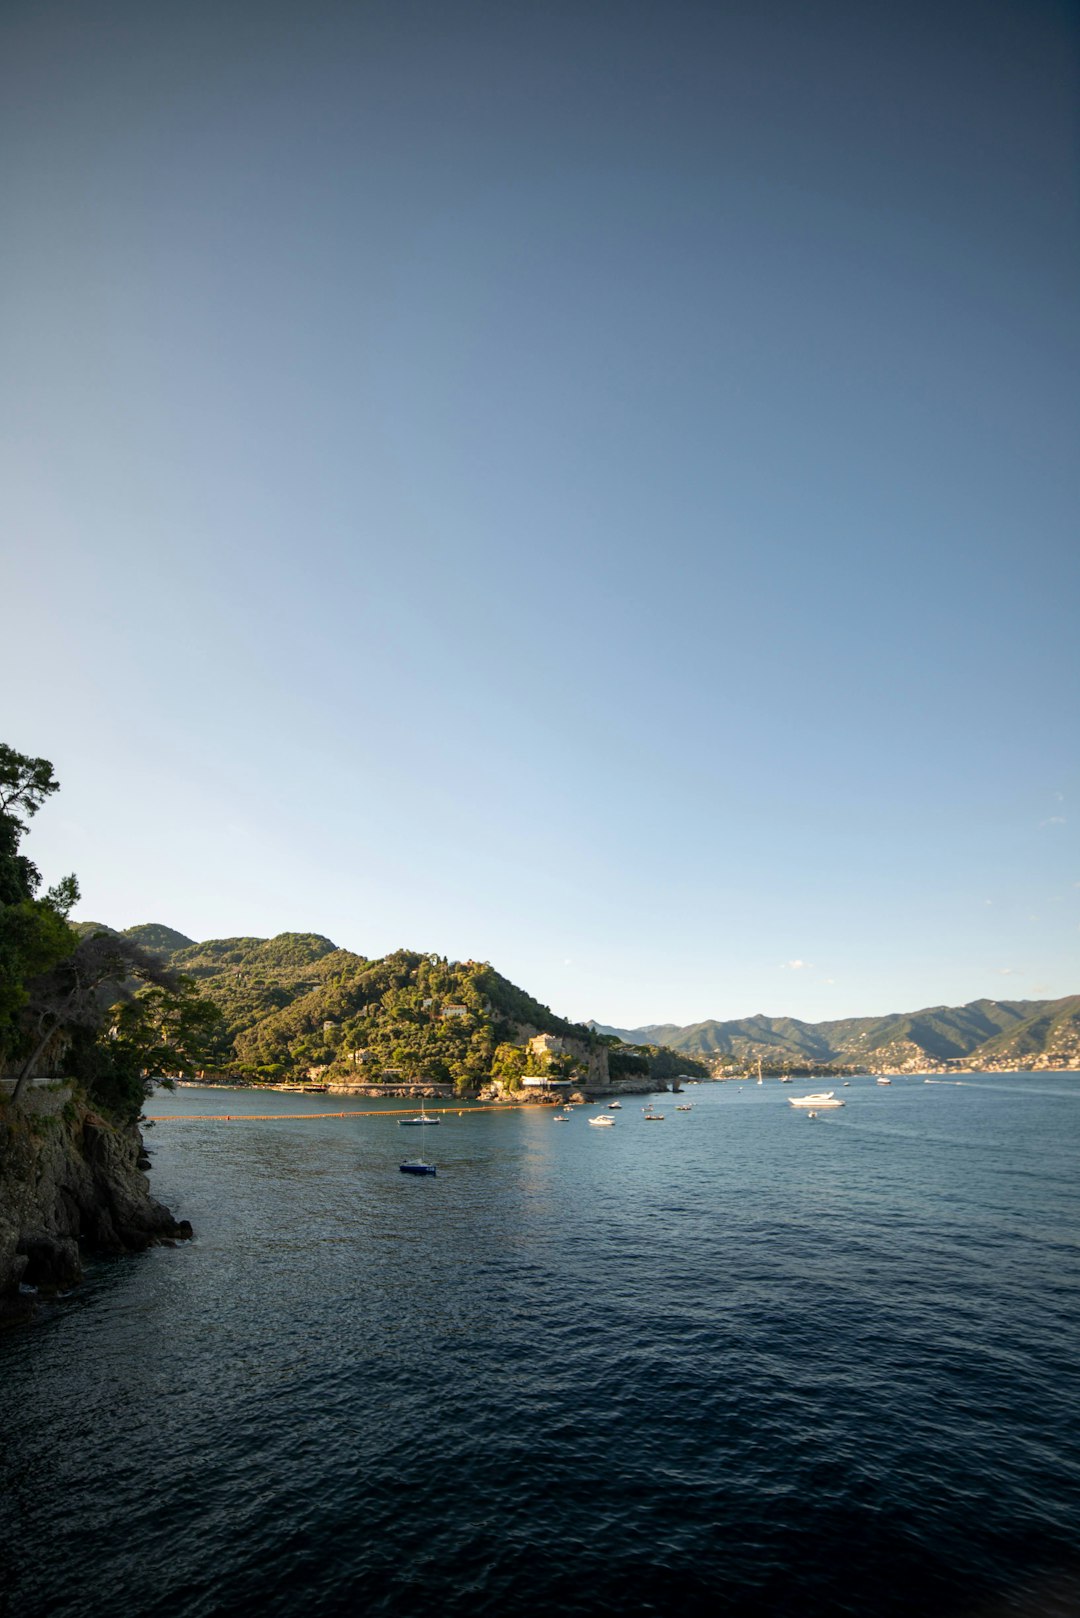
<point x="1052" y="1032"/>
<point x="390" y="1017"/>
<point x="87" y="929"/>
<point x="152" y="935"/>
<point x="297" y="1002"/>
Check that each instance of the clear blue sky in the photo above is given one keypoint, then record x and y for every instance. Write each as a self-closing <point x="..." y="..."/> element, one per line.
<point x="588" y="487"/>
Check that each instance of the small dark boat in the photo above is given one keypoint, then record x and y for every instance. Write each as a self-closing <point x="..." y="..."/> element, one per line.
<point x="416" y="1165"/>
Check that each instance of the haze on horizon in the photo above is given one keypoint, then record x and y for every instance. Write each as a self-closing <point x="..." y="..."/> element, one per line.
<point x="588" y="488"/>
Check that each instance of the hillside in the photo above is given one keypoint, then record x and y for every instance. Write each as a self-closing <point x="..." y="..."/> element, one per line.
<point x="150" y="934"/>
<point x="1048" y="1038"/>
<point x="297" y="1004"/>
<point x="986" y="1033"/>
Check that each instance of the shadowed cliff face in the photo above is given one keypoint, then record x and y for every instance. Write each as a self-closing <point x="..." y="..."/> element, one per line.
<point x="71" y="1186"/>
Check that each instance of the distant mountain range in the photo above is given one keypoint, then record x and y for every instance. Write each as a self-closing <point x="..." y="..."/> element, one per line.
<point x="984" y="1034"/>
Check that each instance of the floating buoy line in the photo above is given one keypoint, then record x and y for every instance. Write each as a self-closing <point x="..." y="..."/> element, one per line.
<point x="270" y="1117"/>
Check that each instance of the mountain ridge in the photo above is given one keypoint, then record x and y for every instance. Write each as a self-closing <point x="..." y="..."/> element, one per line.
<point x="982" y="1032"/>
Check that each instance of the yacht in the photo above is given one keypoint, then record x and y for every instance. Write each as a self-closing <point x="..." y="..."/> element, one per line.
<point x="883" y="1080"/>
<point x="416" y="1165"/>
<point x="615" y="1106"/>
<point x="602" y="1121"/>
<point x="823" y="1098"/>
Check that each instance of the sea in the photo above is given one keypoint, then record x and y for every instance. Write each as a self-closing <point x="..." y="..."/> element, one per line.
<point x="740" y="1361"/>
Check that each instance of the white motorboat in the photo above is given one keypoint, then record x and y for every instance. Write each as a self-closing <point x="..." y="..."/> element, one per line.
<point x="823" y="1098"/>
<point x="882" y="1080"/>
<point x="615" y="1106"/>
<point x="602" y="1122"/>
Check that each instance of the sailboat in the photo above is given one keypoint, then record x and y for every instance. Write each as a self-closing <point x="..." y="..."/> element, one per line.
<point x="405" y="1123"/>
<point x="759" y="1078"/>
<point x="416" y="1165"/>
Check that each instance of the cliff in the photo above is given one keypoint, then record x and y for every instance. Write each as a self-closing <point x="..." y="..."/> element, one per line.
<point x="71" y="1188"/>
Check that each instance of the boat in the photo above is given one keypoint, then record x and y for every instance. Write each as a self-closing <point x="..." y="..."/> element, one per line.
<point x="785" y="1078"/>
<point x="690" y="1108"/>
<point x="560" y="1118"/>
<point x="405" y="1123"/>
<point x="602" y="1122"/>
<point x="823" y="1098"/>
<point x="653" y="1118"/>
<point x="883" y="1080"/>
<point x="615" y="1106"/>
<point x="416" y="1165"/>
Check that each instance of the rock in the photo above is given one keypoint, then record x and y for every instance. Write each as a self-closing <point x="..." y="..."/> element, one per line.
<point x="76" y="1187"/>
<point x="52" y="1262"/>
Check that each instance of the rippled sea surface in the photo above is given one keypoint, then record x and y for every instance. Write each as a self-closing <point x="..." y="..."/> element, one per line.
<point x="740" y="1361"/>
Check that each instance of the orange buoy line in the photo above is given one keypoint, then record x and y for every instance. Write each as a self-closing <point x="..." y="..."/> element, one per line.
<point x="263" y="1117"/>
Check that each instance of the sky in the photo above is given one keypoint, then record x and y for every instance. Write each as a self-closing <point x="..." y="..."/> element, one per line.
<point x="591" y="488"/>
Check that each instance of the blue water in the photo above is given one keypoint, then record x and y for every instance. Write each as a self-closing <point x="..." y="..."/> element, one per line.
<point x="741" y="1361"/>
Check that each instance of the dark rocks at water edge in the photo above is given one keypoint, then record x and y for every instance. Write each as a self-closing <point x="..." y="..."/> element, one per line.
<point x="71" y="1188"/>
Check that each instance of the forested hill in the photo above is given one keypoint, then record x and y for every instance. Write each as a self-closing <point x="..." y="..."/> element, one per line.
<point x="298" y="1002"/>
<point x="985" y="1033"/>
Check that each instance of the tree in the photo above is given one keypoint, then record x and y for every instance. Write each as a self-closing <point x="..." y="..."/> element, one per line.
<point x="34" y="937"/>
<point x="119" y="1039"/>
<point x="509" y="1061"/>
<point x="25" y="783"/>
<point x="164" y="1028"/>
<point x="34" y="934"/>
<point x="76" y="991"/>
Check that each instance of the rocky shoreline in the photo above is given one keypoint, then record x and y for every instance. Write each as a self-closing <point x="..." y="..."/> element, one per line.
<point x="72" y="1187"/>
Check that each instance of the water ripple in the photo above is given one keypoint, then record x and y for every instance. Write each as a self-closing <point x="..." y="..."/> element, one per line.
<point x="749" y="1365"/>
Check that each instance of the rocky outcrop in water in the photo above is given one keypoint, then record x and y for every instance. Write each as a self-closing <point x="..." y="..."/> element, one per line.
<point x="70" y="1188"/>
